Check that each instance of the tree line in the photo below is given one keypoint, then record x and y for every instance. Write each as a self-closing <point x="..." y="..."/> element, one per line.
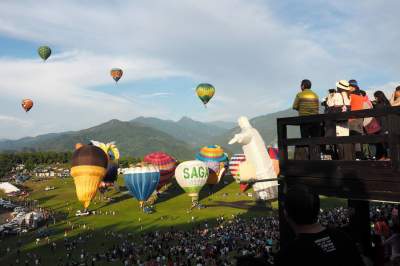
<point x="8" y="160"/>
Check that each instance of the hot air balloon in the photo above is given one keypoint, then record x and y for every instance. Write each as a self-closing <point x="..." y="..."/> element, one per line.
<point x="205" y="92"/>
<point x="234" y="166"/>
<point x="44" y="52"/>
<point x="247" y="171"/>
<point x="165" y="163"/>
<point x="274" y="155"/>
<point x="89" y="166"/>
<point x="116" y="73"/>
<point x="111" y="150"/>
<point x="27" y="104"/>
<point x="141" y="181"/>
<point x="215" y="159"/>
<point x="78" y="145"/>
<point x="191" y="177"/>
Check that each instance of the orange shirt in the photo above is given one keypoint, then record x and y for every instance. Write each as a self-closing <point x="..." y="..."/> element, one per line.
<point x="356" y="102"/>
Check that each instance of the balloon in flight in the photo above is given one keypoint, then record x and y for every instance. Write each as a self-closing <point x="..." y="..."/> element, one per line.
<point x="191" y="177"/>
<point x="142" y="180"/>
<point x="44" y="52"/>
<point x="27" y="104"/>
<point x="89" y="166"/>
<point x="205" y="92"/>
<point x="116" y="74"/>
<point x="165" y="162"/>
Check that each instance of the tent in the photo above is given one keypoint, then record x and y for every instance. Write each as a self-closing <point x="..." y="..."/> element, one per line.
<point x="8" y="187"/>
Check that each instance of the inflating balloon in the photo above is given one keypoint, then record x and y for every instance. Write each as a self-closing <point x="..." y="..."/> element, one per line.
<point x="191" y="177"/>
<point x="205" y="92"/>
<point x="89" y="165"/>
<point x="116" y="73"/>
<point x="215" y="159"/>
<point x="44" y="52"/>
<point x="141" y="181"/>
<point x="247" y="171"/>
<point x="165" y="163"/>
<point x="234" y="166"/>
<point x="78" y="145"/>
<point x="27" y="104"/>
<point x="112" y="152"/>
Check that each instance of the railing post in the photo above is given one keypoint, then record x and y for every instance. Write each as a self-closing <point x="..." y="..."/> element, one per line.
<point x="393" y="141"/>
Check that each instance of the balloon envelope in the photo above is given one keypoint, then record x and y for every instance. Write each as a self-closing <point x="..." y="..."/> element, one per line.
<point x="27" y="104"/>
<point x="142" y="180"/>
<point x="112" y="173"/>
<point x="205" y="92"/>
<point x="44" y="52"/>
<point x="116" y="73"/>
<point x="214" y="158"/>
<point x="247" y="171"/>
<point x="89" y="165"/>
<point x="192" y="176"/>
<point x="234" y="165"/>
<point x="165" y="163"/>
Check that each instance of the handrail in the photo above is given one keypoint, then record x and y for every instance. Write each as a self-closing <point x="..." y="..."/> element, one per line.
<point x="297" y="120"/>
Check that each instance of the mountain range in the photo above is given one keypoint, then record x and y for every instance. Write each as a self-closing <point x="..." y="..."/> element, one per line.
<point x="142" y="135"/>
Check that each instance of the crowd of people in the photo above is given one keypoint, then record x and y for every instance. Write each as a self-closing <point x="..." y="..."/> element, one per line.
<point x="234" y="241"/>
<point x="347" y="96"/>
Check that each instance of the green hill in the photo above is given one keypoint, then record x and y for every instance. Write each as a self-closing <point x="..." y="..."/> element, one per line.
<point x="134" y="139"/>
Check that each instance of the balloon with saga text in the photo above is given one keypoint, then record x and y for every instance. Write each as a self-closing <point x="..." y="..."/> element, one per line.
<point x="191" y="177"/>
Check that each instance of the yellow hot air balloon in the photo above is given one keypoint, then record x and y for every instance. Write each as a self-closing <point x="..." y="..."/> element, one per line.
<point x="89" y="166"/>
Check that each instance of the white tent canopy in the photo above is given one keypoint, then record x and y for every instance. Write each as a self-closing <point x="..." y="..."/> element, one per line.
<point x="8" y="187"/>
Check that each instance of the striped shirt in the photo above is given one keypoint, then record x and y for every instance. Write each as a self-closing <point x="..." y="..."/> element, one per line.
<point x="306" y="102"/>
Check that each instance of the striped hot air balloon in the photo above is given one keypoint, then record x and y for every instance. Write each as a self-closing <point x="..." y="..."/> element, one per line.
<point x="215" y="159"/>
<point x="89" y="166"/>
<point x="165" y="163"/>
<point x="205" y="92"/>
<point x="234" y="166"/>
<point x="141" y="181"/>
<point x="116" y="74"/>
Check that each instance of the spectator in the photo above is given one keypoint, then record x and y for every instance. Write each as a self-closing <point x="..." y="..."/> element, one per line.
<point x="314" y="244"/>
<point x="306" y="103"/>
<point x="356" y="128"/>
<point x="345" y="151"/>
<point x="381" y="102"/>
<point x="394" y="243"/>
<point x="395" y="99"/>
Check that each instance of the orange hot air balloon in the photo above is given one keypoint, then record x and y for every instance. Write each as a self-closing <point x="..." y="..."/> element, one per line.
<point x="116" y="73"/>
<point x="78" y="145"/>
<point x="89" y="166"/>
<point x="27" y="104"/>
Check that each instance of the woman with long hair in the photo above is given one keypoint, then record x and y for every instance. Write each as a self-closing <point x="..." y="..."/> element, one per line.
<point x="381" y="102"/>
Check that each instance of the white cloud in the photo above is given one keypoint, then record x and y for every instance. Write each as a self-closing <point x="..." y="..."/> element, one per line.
<point x="254" y="54"/>
<point x="156" y="94"/>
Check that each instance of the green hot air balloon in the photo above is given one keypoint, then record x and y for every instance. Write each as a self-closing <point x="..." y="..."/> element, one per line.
<point x="205" y="92"/>
<point x="44" y="52"/>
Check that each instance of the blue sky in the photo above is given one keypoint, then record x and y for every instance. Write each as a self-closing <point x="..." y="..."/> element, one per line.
<point x="254" y="52"/>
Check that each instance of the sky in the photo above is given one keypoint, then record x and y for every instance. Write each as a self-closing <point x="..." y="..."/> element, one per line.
<point x="255" y="53"/>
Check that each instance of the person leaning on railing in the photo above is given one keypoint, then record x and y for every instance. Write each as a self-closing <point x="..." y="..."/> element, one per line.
<point x="356" y="127"/>
<point x="381" y="102"/>
<point x="306" y="103"/>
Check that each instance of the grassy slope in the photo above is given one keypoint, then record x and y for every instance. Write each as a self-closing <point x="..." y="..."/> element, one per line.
<point x="173" y="207"/>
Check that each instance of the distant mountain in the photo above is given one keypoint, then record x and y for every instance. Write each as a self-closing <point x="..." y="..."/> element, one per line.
<point x="145" y="134"/>
<point x="266" y="125"/>
<point x="133" y="139"/>
<point x="223" y="124"/>
<point x="186" y="129"/>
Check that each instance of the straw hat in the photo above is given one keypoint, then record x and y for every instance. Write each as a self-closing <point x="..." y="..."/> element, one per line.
<point x="343" y="84"/>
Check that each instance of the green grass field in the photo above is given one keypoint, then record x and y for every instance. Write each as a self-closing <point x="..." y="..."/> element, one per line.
<point x="171" y="210"/>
